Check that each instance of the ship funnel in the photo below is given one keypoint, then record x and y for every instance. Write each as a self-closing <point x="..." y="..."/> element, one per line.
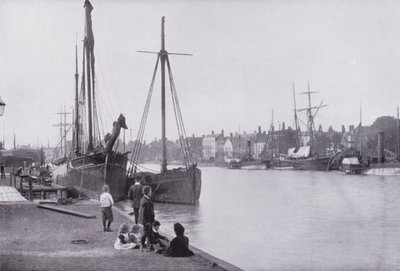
<point x="381" y="147"/>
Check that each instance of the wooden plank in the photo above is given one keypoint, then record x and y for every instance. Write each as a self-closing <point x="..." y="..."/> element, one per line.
<point x="65" y="211"/>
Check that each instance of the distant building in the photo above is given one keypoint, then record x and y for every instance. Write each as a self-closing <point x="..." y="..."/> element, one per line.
<point x="260" y="140"/>
<point x="348" y="138"/>
<point x="209" y="148"/>
<point x="228" y="148"/>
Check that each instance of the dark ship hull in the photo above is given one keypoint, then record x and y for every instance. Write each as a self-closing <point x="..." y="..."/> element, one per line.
<point x="86" y="175"/>
<point x="173" y="186"/>
<point x="311" y="164"/>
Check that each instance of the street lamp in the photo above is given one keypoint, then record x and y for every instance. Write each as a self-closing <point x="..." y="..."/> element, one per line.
<point x="2" y="107"/>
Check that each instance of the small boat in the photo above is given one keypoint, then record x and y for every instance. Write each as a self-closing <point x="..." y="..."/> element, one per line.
<point x="91" y="163"/>
<point x="182" y="185"/>
<point x="233" y="163"/>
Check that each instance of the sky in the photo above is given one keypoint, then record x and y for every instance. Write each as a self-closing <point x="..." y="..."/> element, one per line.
<point x="246" y="57"/>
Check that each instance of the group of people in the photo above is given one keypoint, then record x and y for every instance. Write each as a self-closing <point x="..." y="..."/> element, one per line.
<point x="144" y="234"/>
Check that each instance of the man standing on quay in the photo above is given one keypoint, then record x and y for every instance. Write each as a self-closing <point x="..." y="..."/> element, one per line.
<point x="135" y="195"/>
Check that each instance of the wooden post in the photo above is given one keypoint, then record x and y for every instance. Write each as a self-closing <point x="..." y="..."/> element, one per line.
<point x="11" y="183"/>
<point x="30" y="189"/>
<point x="12" y="176"/>
<point x="20" y="184"/>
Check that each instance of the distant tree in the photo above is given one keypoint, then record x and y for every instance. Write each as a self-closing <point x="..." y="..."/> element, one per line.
<point x="387" y="125"/>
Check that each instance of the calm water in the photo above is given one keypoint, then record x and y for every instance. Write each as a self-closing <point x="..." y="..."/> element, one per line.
<point x="293" y="220"/>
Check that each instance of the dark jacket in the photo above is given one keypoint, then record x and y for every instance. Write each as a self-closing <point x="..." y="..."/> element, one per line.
<point x="155" y="237"/>
<point x="179" y="247"/>
<point x="146" y="211"/>
<point x="135" y="195"/>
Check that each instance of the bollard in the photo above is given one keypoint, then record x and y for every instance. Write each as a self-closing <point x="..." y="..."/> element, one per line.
<point x="12" y="176"/>
<point x="20" y="184"/>
<point x="30" y="189"/>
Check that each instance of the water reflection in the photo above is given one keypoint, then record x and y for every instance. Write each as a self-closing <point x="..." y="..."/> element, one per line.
<point x="293" y="220"/>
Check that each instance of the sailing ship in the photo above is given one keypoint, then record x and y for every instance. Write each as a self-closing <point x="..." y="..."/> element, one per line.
<point x="92" y="162"/>
<point x="182" y="185"/>
<point x="306" y="157"/>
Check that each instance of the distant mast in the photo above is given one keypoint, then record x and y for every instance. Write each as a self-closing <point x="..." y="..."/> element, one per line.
<point x="360" y="128"/>
<point x="398" y="135"/>
<point x="296" y="121"/>
<point x="310" y="120"/>
<point x="76" y="103"/>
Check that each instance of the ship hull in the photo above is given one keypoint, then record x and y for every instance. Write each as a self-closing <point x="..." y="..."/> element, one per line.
<point x="384" y="169"/>
<point x="173" y="186"/>
<point x="86" y="175"/>
<point x="255" y="165"/>
<point x="311" y="164"/>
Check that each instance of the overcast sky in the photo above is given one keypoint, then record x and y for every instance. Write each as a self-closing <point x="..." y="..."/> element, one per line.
<point x="246" y="56"/>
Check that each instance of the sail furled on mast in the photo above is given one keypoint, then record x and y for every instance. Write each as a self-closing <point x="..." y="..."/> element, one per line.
<point x="90" y="78"/>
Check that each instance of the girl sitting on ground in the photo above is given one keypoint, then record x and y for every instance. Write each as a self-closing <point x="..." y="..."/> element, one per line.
<point x="179" y="246"/>
<point x="158" y="242"/>
<point x="123" y="241"/>
<point x="134" y="235"/>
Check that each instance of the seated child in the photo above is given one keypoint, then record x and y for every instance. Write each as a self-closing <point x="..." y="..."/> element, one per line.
<point x="123" y="241"/>
<point x="179" y="246"/>
<point x="158" y="241"/>
<point x="134" y="235"/>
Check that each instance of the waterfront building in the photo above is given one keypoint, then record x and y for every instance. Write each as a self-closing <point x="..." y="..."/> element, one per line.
<point x="209" y="147"/>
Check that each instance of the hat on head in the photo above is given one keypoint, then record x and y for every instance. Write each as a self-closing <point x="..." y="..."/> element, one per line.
<point x="135" y="227"/>
<point x="179" y="229"/>
<point x="156" y="223"/>
<point x="146" y="190"/>
<point x="123" y="228"/>
<point x="106" y="188"/>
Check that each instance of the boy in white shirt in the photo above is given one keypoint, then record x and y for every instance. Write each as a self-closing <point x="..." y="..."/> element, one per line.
<point x="107" y="202"/>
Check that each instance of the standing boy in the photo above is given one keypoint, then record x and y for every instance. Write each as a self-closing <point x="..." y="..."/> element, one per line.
<point x="146" y="215"/>
<point x="107" y="202"/>
<point x="135" y="195"/>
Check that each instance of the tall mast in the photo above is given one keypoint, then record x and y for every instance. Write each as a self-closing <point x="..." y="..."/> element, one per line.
<point x="89" y="46"/>
<point x="76" y="103"/>
<point x="398" y="135"/>
<point x="296" y="122"/>
<point x="360" y="128"/>
<point x="65" y="131"/>
<point x="61" y="133"/>
<point x="240" y="154"/>
<point x="163" y="55"/>
<point x="272" y="134"/>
